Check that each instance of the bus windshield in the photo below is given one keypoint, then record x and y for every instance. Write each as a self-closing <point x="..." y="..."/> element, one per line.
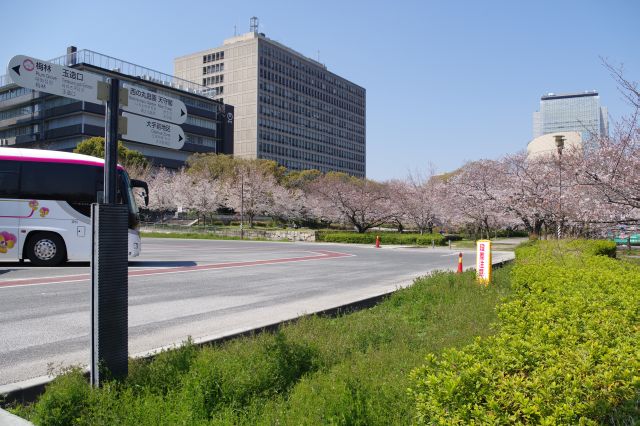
<point x="128" y="193"/>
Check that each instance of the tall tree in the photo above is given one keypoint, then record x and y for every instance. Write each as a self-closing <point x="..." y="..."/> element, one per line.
<point x="129" y="158"/>
<point x="362" y="203"/>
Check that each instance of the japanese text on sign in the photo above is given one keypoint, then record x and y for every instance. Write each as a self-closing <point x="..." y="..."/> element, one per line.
<point x="483" y="261"/>
<point x="151" y="104"/>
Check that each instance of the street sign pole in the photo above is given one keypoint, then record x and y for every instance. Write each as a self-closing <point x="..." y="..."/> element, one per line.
<point x="153" y="119"/>
<point x="111" y="142"/>
<point x="109" y="263"/>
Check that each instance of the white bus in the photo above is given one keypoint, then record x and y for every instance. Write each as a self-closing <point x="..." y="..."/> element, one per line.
<point x="45" y="205"/>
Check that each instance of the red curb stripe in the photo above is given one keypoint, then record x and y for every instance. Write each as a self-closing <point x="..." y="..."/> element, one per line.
<point x="323" y="254"/>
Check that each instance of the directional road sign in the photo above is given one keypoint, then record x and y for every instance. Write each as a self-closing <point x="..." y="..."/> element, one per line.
<point x="153" y="132"/>
<point x="48" y="77"/>
<point x="155" y="105"/>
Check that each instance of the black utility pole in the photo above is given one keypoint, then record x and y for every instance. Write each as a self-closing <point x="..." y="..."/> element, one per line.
<point x="109" y="263"/>
<point x="111" y="143"/>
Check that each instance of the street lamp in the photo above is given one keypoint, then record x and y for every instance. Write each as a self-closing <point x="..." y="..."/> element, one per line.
<point x="560" y="145"/>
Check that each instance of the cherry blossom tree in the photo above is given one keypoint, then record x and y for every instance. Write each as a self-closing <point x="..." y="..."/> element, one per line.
<point x="399" y="198"/>
<point x="287" y="204"/>
<point x="160" y="190"/>
<point x="251" y="188"/>
<point x="361" y="203"/>
<point x="609" y="172"/>
<point x="422" y="199"/>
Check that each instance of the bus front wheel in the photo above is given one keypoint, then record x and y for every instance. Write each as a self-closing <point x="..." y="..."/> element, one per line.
<point x="46" y="249"/>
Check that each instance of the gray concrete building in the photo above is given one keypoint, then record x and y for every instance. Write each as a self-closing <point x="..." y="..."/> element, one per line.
<point x="33" y="119"/>
<point x="288" y="107"/>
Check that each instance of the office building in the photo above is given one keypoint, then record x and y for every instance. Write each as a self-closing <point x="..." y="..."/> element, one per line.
<point x="32" y="119"/>
<point x="576" y="112"/>
<point x="288" y="107"/>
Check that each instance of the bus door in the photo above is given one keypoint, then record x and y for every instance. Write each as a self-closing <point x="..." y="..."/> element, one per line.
<point x="11" y="209"/>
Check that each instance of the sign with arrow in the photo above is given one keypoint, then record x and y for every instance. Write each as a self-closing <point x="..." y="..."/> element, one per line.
<point x="44" y="76"/>
<point x="143" y="101"/>
<point x="153" y="132"/>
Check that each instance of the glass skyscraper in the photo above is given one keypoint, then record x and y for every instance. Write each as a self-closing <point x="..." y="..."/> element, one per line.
<point x="579" y="112"/>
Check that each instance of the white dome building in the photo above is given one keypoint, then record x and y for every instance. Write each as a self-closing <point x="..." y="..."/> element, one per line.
<point x="546" y="144"/>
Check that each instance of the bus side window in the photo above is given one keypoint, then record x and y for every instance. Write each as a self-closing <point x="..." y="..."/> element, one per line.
<point x="9" y="178"/>
<point x="73" y="183"/>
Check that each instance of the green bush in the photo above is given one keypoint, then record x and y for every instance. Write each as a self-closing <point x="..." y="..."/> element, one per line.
<point x="567" y="351"/>
<point x="385" y="238"/>
<point x="65" y="400"/>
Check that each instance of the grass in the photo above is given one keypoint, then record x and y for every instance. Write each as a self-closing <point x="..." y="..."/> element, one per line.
<point x="629" y="256"/>
<point x="352" y="369"/>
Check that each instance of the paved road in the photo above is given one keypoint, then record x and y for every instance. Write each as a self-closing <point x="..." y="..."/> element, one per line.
<point x="198" y="288"/>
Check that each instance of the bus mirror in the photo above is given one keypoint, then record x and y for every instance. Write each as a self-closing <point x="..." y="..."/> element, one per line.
<point x="135" y="183"/>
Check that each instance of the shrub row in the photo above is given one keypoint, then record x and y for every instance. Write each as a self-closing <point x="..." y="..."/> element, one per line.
<point x="385" y="238"/>
<point x="567" y="351"/>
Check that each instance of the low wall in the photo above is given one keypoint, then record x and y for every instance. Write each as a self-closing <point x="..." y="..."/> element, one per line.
<point x="249" y="234"/>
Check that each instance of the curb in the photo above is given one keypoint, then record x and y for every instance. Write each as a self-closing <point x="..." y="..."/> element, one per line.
<point x="8" y="419"/>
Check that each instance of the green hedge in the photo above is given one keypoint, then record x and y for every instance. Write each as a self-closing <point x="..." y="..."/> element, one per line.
<point x="385" y="238"/>
<point x="567" y="352"/>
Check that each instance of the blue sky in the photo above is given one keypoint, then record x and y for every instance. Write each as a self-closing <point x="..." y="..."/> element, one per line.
<point x="447" y="81"/>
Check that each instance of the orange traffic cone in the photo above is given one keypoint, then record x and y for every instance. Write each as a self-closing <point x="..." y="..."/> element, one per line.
<point x="377" y="241"/>
<point x="460" y="263"/>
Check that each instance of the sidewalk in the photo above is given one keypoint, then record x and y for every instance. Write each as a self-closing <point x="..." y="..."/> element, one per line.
<point x="8" y="419"/>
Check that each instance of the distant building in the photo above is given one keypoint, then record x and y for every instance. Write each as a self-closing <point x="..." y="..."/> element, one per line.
<point x="546" y="144"/>
<point x="577" y="112"/>
<point x="32" y="119"/>
<point x="288" y="108"/>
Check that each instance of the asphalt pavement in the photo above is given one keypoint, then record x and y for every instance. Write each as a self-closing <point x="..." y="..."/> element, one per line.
<point x="202" y="289"/>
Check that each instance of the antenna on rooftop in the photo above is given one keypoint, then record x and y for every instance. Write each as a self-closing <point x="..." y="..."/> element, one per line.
<point x="253" y="25"/>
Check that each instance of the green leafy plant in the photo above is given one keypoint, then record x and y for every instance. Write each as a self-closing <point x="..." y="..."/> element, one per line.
<point x="385" y="238"/>
<point x="567" y="351"/>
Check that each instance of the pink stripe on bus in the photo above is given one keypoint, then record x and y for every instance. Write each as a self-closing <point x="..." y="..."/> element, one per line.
<point x="55" y="160"/>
